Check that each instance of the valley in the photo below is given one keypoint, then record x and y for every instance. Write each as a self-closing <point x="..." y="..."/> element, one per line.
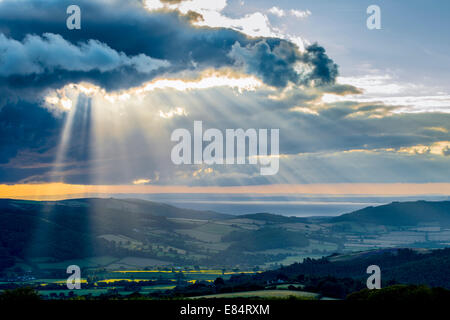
<point x="128" y="245"/>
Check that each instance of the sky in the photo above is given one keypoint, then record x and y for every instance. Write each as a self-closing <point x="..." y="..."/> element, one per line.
<point x="92" y="110"/>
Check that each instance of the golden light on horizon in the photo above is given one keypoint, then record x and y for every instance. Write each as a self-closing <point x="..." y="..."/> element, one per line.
<point x="56" y="191"/>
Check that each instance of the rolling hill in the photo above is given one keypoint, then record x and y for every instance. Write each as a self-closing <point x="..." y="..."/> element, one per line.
<point x="123" y="228"/>
<point x="406" y="266"/>
<point x="401" y="214"/>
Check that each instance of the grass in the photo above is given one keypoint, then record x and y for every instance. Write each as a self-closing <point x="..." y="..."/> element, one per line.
<point x="287" y="285"/>
<point x="263" y="294"/>
<point x="93" y="262"/>
<point x="156" y="288"/>
<point x="81" y="292"/>
<point x="99" y="291"/>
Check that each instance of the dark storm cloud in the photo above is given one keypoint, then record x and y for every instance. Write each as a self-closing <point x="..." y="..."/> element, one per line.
<point x="46" y="54"/>
<point x="121" y="45"/>
<point x="324" y="69"/>
<point x="446" y="151"/>
<point x="30" y="136"/>
<point x="338" y="129"/>
<point x="121" y="38"/>
<point x="26" y="126"/>
<point x="341" y="89"/>
<point x="279" y="62"/>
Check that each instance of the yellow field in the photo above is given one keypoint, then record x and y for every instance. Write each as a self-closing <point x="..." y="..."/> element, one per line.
<point x="192" y="272"/>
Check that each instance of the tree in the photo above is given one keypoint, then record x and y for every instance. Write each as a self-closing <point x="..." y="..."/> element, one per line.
<point x="20" y="294"/>
<point x="219" y="282"/>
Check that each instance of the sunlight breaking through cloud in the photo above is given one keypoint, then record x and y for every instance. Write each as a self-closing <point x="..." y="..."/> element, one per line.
<point x="61" y="98"/>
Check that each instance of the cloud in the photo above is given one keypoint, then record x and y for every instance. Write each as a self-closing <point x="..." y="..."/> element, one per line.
<point x="127" y="106"/>
<point x="26" y="126"/>
<point x="277" y="11"/>
<point x="172" y="113"/>
<point x="300" y="14"/>
<point x="304" y="110"/>
<point x="386" y="89"/>
<point x="324" y="69"/>
<point x="51" y="52"/>
<point x="316" y="142"/>
<point x="206" y="13"/>
<point x="62" y="99"/>
<point x="437" y="148"/>
<point x="280" y="63"/>
<point x="141" y="181"/>
<point x="115" y="54"/>
<point x="210" y="14"/>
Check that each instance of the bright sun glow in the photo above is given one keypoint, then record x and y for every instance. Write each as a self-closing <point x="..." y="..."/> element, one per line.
<point x="62" y="98"/>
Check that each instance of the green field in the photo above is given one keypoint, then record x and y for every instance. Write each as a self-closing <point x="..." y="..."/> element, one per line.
<point x="264" y="294"/>
<point x="100" y="291"/>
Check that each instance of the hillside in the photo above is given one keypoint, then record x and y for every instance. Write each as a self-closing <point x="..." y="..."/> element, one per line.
<point x="79" y="228"/>
<point x="337" y="276"/>
<point x="399" y="265"/>
<point x="161" y="234"/>
<point x="401" y="214"/>
<point x="133" y="206"/>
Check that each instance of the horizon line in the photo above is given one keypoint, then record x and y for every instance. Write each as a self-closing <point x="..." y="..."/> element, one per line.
<point x="58" y="189"/>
